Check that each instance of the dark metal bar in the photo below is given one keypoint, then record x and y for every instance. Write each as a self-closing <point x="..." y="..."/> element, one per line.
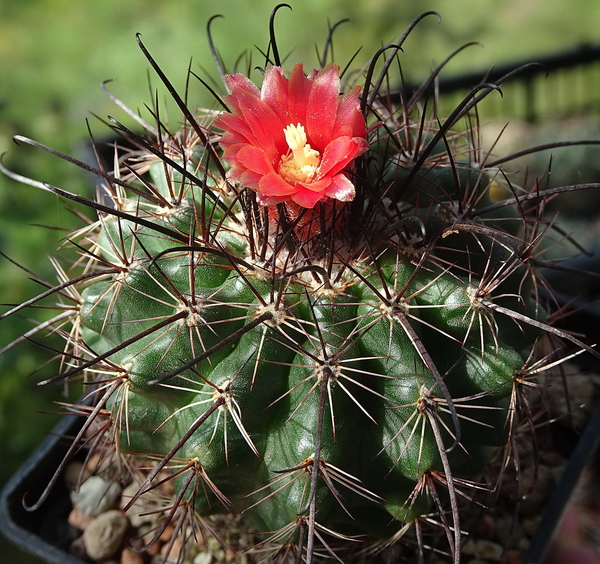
<point x="581" y="55"/>
<point x="531" y="78"/>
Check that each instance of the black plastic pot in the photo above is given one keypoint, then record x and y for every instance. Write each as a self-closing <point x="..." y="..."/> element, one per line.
<point x="44" y="532"/>
<point x="586" y="449"/>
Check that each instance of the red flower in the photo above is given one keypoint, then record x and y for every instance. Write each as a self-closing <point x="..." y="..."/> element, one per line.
<point x="296" y="138"/>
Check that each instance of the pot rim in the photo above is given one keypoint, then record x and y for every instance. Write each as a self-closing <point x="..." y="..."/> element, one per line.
<point x="27" y="478"/>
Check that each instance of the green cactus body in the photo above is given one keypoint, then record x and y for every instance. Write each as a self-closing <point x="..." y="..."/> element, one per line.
<point x="338" y="361"/>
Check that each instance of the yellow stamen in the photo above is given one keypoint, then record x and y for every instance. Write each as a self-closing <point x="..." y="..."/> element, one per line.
<point x="302" y="162"/>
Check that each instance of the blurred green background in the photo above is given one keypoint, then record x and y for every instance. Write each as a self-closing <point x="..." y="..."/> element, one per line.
<point x="55" y="53"/>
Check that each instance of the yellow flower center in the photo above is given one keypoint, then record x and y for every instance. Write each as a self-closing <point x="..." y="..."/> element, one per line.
<point x="301" y="162"/>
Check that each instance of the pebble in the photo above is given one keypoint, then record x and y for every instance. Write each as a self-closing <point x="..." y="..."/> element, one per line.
<point x="167" y="534"/>
<point x="468" y="547"/>
<point x="129" y="556"/>
<point x="487" y="526"/>
<point x="533" y="502"/>
<point x="530" y="525"/>
<point x="508" y="531"/>
<point x="488" y="550"/>
<point x="203" y="558"/>
<point x="483" y="550"/>
<point x="104" y="535"/>
<point x="147" y="537"/>
<point x="137" y="510"/>
<point x="577" y="403"/>
<point x="513" y="557"/>
<point x="160" y="559"/>
<point x="77" y="549"/>
<point x="77" y="519"/>
<point x="72" y="474"/>
<point x="173" y="548"/>
<point x="95" y="496"/>
<point x="168" y="484"/>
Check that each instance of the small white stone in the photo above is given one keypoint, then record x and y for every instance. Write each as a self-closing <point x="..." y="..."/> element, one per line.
<point x="135" y="512"/>
<point x="160" y="559"/>
<point x="542" y="479"/>
<point x="203" y="558"/>
<point x="488" y="550"/>
<point x="95" y="496"/>
<point x="105" y="534"/>
<point x="530" y="525"/>
<point x="72" y="474"/>
<point x="508" y="531"/>
<point x="469" y="547"/>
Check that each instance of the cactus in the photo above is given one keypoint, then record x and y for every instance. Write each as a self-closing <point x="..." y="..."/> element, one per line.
<point x="315" y="310"/>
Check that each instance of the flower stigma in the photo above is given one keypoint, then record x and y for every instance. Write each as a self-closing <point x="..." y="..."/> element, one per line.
<point x="302" y="162"/>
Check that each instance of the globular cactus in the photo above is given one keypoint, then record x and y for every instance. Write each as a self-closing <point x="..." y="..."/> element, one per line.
<point x="313" y="309"/>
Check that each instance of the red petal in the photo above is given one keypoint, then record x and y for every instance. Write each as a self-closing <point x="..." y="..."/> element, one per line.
<point x="350" y="120"/>
<point x="274" y="92"/>
<point x="240" y="82"/>
<point x="238" y="170"/>
<point x="230" y="155"/>
<point x="339" y="153"/>
<point x="231" y="151"/>
<point x="248" y="178"/>
<point x="341" y="188"/>
<point x="318" y="186"/>
<point x="252" y="117"/>
<point x="274" y="185"/>
<point x="265" y="125"/>
<point x="254" y="159"/>
<point x="359" y="126"/>
<point x="237" y="130"/>
<point x="298" y="93"/>
<point x="265" y="201"/>
<point x="322" y="107"/>
<point x="307" y="198"/>
<point x="236" y="84"/>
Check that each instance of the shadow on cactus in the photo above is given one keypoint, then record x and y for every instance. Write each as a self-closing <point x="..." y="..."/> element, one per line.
<point x="318" y="311"/>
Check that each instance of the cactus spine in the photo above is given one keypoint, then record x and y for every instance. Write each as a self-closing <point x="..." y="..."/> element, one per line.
<point x="321" y="328"/>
